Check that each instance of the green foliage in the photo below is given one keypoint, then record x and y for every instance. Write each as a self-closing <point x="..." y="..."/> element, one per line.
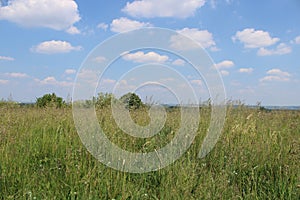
<point x="50" y="100"/>
<point x="132" y="101"/>
<point x="104" y="99"/>
<point x="261" y="108"/>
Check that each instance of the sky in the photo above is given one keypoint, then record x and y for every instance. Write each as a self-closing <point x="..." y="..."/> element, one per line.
<point x="255" y="45"/>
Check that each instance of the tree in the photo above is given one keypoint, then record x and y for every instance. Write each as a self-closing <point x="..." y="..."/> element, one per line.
<point x="50" y="100"/>
<point x="131" y="101"/>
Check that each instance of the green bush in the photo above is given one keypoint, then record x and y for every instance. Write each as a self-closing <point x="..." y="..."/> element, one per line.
<point x="132" y="101"/>
<point x="50" y="100"/>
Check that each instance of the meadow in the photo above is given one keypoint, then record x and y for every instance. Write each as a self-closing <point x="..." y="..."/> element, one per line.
<point x="257" y="157"/>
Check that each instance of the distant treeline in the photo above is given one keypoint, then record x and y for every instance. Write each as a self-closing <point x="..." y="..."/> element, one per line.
<point x="131" y="101"/>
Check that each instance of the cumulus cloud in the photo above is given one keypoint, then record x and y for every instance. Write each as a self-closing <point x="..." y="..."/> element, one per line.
<point x="281" y="49"/>
<point x="102" y="26"/>
<point x="7" y="58"/>
<point x="55" y="46"/>
<point x="224" y="73"/>
<point x="141" y="57"/>
<point x="225" y="64"/>
<point x="54" y="14"/>
<point x="70" y="71"/>
<point x="246" y="70"/>
<point x="99" y="59"/>
<point x="297" y="40"/>
<point x="165" y="8"/>
<point x="124" y="24"/>
<point x="274" y="78"/>
<point x="276" y="75"/>
<point x="178" y="62"/>
<point x="123" y="82"/>
<point x="90" y="75"/>
<point x="50" y="80"/>
<point x="16" y="75"/>
<point x="252" y="38"/>
<point x="203" y="37"/>
<point x="73" y="30"/>
<point x="197" y="82"/>
<point x="108" y="81"/>
<point x="278" y="72"/>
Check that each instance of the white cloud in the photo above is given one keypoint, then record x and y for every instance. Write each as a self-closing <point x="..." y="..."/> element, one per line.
<point x="225" y="64"/>
<point x="55" y="46"/>
<point x="6" y="58"/>
<point x="54" y="14"/>
<point x="246" y="70"/>
<point x="297" y="40"/>
<point x="3" y="81"/>
<point x="16" y="75"/>
<point x="165" y="8"/>
<point x="124" y="53"/>
<point x="252" y="38"/>
<point x="149" y="83"/>
<point x="70" y="71"/>
<point x="203" y="37"/>
<point x="73" y="30"/>
<point x="141" y="57"/>
<point x="99" y="59"/>
<point x="123" y="82"/>
<point x="197" y="82"/>
<point x="102" y="26"/>
<point x="274" y="78"/>
<point x="166" y="80"/>
<point x="178" y="62"/>
<point x="90" y="75"/>
<point x="123" y="86"/>
<point x="124" y="24"/>
<point x="278" y="72"/>
<point x="224" y="73"/>
<point x="50" y="80"/>
<point x="276" y="75"/>
<point x="281" y="49"/>
<point x="108" y="81"/>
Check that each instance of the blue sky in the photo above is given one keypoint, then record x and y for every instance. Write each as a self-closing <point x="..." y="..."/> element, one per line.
<point x="254" y="44"/>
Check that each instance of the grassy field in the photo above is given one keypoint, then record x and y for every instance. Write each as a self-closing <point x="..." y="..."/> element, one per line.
<point x="257" y="157"/>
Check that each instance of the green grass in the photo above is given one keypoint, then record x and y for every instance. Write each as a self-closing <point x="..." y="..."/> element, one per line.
<point x="42" y="157"/>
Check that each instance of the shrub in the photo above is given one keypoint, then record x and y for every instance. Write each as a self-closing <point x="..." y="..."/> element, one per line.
<point x="50" y="100"/>
<point x="131" y="101"/>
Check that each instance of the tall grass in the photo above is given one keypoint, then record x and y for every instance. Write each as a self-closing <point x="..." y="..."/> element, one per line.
<point x="257" y="157"/>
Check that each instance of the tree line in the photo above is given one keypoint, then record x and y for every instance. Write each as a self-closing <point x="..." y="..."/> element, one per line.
<point x="130" y="100"/>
